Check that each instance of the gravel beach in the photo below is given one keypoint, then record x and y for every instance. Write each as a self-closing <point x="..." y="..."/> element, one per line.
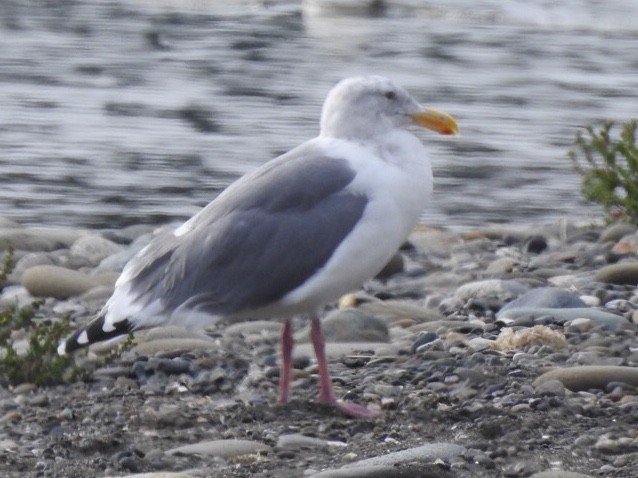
<point x="545" y="386"/>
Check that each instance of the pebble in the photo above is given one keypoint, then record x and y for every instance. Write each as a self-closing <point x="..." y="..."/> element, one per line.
<point x="159" y="474"/>
<point x="58" y="282"/>
<point x="562" y="316"/>
<point x="173" y="346"/>
<point x="559" y="474"/>
<point x="550" y="387"/>
<point x="351" y="325"/>
<point x="478" y="338"/>
<point x="221" y="448"/>
<point x="429" y="452"/>
<point x="615" y="232"/>
<point x="90" y="249"/>
<point x="337" y="350"/>
<point x="545" y="297"/>
<point x="620" y="273"/>
<point x="382" y="471"/>
<point x="391" y="311"/>
<point x="590" y="376"/>
<point x="38" y="238"/>
<point x="295" y="441"/>
<point x="491" y="291"/>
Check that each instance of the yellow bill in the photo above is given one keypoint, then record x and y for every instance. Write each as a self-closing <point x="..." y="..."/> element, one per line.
<point x="436" y="120"/>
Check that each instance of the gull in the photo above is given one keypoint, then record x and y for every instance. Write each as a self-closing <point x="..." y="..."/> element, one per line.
<point x="292" y="236"/>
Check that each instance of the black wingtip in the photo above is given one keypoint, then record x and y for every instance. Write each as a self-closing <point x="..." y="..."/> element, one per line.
<point x="92" y="333"/>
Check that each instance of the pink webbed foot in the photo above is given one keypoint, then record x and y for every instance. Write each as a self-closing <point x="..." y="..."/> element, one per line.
<point x="326" y="393"/>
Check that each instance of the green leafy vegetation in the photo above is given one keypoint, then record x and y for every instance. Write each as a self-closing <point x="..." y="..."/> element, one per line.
<point x="38" y="362"/>
<point x="28" y="345"/>
<point x="7" y="263"/>
<point x="608" y="165"/>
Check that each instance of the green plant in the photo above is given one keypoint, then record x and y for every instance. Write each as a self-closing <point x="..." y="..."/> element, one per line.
<point x="7" y="263"/>
<point x="37" y="360"/>
<point x="39" y="363"/>
<point x="609" y="168"/>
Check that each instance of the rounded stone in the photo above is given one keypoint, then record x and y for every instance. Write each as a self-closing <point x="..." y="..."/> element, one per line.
<point x="172" y="346"/>
<point x="57" y="282"/>
<point x="535" y="244"/>
<point x="551" y="387"/>
<point x="38" y="238"/>
<point x="494" y="292"/>
<point x="295" y="441"/>
<point x="221" y="448"/>
<point x="558" y="474"/>
<point x="353" y="325"/>
<point x="616" y="232"/>
<point x="550" y="297"/>
<point x="155" y="474"/>
<point x="621" y="273"/>
<point x="590" y="376"/>
<point x="91" y="249"/>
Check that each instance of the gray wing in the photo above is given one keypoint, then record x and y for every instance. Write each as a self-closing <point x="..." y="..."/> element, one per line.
<point x="260" y="239"/>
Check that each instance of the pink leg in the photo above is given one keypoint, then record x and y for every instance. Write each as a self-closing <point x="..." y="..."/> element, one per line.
<point x="286" y="362"/>
<point x="326" y="393"/>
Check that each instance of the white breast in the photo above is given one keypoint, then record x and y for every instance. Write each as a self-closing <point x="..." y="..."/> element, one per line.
<point x="396" y="177"/>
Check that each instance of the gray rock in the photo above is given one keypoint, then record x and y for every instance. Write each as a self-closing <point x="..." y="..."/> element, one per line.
<point x="617" y="231"/>
<point x="551" y="297"/>
<point x="406" y="470"/>
<point x="171" y="332"/>
<point x="156" y="474"/>
<point x="90" y="250"/>
<point x="599" y="317"/>
<point x="58" y="282"/>
<point x="444" y="325"/>
<point x="613" y="445"/>
<point x="433" y="242"/>
<point x="296" y="441"/>
<point x="339" y="349"/>
<point x="254" y="327"/>
<point x="100" y="293"/>
<point x="493" y="292"/>
<point x="172" y="346"/>
<point x="579" y="325"/>
<point x="620" y="273"/>
<point x="501" y="266"/>
<point x="551" y="387"/>
<point x="15" y="296"/>
<point x="29" y="260"/>
<point x="424" y="453"/>
<point x="353" y="325"/>
<point x="221" y="448"/>
<point x="118" y="260"/>
<point x="38" y="238"/>
<point x="559" y="474"/>
<point x="391" y="311"/>
<point x="589" y="376"/>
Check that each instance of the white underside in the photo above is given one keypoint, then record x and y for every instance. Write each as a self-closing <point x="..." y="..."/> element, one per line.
<point x="397" y="193"/>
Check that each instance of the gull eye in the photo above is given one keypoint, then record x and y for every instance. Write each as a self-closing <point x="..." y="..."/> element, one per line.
<point x="391" y="95"/>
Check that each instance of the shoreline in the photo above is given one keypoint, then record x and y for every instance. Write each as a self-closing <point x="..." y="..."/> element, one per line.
<point x="468" y="386"/>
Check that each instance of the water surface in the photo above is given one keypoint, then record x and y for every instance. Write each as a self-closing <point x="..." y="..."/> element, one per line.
<point x="123" y="112"/>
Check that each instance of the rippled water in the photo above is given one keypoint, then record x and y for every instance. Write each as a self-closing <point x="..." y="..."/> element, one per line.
<point x="122" y="112"/>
